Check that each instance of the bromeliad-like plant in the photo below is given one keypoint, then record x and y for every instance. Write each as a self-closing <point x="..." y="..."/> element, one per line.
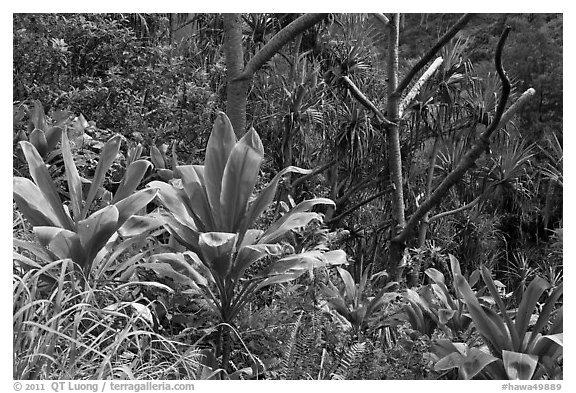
<point x="351" y="301"/>
<point x="517" y="347"/>
<point x="210" y="213"/>
<point x="79" y="234"/>
<point x="446" y="311"/>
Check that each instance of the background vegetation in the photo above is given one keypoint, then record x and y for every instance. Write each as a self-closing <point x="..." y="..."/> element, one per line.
<point x="133" y="262"/>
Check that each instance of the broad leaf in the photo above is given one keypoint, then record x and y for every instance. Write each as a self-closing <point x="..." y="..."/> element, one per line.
<point x="74" y="180"/>
<point x="239" y="178"/>
<point x="173" y="200"/>
<point x="519" y="365"/>
<point x="96" y="230"/>
<point x="251" y="254"/>
<point x="132" y="204"/>
<point x="450" y="361"/>
<point x="187" y="264"/>
<point x="349" y="286"/>
<point x="42" y="178"/>
<point x="487" y="277"/>
<point x="137" y="225"/>
<point x="217" y="251"/>
<point x="32" y="203"/>
<point x="107" y="157"/>
<point x="287" y="223"/>
<point x="484" y="325"/>
<point x="197" y="199"/>
<point x="38" y="139"/>
<point x="221" y="142"/>
<point x="445" y="315"/>
<point x="157" y="158"/>
<point x="528" y="304"/>
<point x="265" y="198"/>
<point x="474" y="362"/>
<point x="132" y="178"/>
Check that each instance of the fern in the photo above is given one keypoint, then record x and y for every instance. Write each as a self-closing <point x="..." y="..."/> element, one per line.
<point x="350" y="358"/>
<point x="286" y="365"/>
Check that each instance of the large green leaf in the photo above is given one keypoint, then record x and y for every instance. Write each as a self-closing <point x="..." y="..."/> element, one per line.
<point x="487" y="277"/>
<point x="107" y="157"/>
<point x="527" y="306"/>
<point x="38" y="139"/>
<point x="42" y="178"/>
<point x="196" y="197"/>
<point x="132" y="178"/>
<point x="239" y="179"/>
<point x="483" y="323"/>
<point x="74" y="180"/>
<point x="186" y="263"/>
<point x="545" y="314"/>
<point x="251" y="254"/>
<point x="265" y="198"/>
<point x="519" y="365"/>
<point x="32" y="203"/>
<point x="173" y="200"/>
<point x="132" y="204"/>
<point x="474" y="362"/>
<point x="288" y="222"/>
<point x="349" y="286"/>
<point x="220" y="144"/>
<point x="62" y="242"/>
<point x="217" y="251"/>
<point x="185" y="235"/>
<point x="95" y="231"/>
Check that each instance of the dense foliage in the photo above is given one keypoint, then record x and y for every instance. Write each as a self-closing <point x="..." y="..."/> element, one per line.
<point x="152" y="240"/>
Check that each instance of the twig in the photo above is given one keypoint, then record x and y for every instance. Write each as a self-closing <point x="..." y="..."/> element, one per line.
<point x="356" y="206"/>
<point x="365" y="101"/>
<point x="454" y="211"/>
<point x="314" y="173"/>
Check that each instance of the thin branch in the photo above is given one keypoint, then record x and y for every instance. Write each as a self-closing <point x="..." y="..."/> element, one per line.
<point x="316" y="171"/>
<point x="485" y="137"/>
<point x="432" y="52"/>
<point x="356" y="206"/>
<point x="365" y="101"/>
<point x="360" y="186"/>
<point x="278" y="41"/>
<point x="454" y="211"/>
<point x="418" y="85"/>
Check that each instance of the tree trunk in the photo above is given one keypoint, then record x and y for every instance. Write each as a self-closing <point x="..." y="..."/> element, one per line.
<point x="394" y="155"/>
<point x="236" y="89"/>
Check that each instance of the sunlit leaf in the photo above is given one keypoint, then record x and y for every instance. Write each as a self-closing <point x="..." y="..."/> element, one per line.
<point x="221" y="142"/>
<point x="107" y="157"/>
<point x="32" y="203"/>
<point x="519" y="365"/>
<point x="132" y="178"/>
<point x="239" y="178"/>
<point x="74" y="180"/>
<point x="475" y="361"/>
<point x="217" y="249"/>
<point x="96" y="230"/>
<point x="42" y="178"/>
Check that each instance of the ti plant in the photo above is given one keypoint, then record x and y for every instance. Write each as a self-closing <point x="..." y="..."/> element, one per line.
<point x="352" y="301"/>
<point x="211" y="214"/>
<point x="521" y="344"/>
<point x="435" y="306"/>
<point x="78" y="234"/>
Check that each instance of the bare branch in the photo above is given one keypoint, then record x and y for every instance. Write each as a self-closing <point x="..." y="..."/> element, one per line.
<point x="357" y="205"/>
<point x="418" y="85"/>
<point x="316" y="171"/>
<point x="365" y="101"/>
<point x="278" y="41"/>
<point x="432" y="52"/>
<point x="454" y="211"/>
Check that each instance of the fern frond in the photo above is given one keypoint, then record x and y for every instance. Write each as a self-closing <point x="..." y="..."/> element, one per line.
<point x="351" y="357"/>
